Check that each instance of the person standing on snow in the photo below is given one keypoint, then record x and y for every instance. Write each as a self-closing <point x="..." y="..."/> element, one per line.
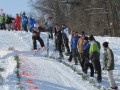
<point x="36" y="36"/>
<point x="85" y="61"/>
<point x="80" y="47"/>
<point x="24" y="22"/>
<point x="3" y="21"/>
<point x="94" y="53"/>
<point x="17" y="23"/>
<point x="50" y="25"/>
<point x="56" y="27"/>
<point x="74" y="48"/>
<point x="108" y="63"/>
<point x="70" y="55"/>
<point x="31" y="22"/>
<point x="65" y="35"/>
<point x="59" y="42"/>
<point x="9" y="22"/>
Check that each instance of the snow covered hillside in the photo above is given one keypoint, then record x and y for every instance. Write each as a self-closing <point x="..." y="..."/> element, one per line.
<point x="39" y="72"/>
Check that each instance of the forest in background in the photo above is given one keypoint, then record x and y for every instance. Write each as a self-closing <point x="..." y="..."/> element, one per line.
<point x="97" y="17"/>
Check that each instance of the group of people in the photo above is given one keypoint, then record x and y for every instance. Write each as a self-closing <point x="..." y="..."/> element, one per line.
<point x="20" y="22"/>
<point x="85" y="50"/>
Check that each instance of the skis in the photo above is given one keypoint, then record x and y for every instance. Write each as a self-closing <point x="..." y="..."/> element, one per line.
<point x="36" y="51"/>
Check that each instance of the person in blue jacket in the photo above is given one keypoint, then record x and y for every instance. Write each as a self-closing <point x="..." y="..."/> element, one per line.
<point x="74" y="47"/>
<point x="86" y="62"/>
<point x="24" y="22"/>
<point x="31" y="22"/>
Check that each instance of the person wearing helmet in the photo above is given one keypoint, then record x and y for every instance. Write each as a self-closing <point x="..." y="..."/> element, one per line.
<point x="36" y="36"/>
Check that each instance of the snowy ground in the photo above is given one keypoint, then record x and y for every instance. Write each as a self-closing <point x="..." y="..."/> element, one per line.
<point x="40" y="73"/>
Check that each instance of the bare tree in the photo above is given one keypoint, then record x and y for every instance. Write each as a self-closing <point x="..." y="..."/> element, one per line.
<point x="98" y="17"/>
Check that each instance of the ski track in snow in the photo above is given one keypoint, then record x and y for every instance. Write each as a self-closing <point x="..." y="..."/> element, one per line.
<point x="54" y="73"/>
<point x="44" y="73"/>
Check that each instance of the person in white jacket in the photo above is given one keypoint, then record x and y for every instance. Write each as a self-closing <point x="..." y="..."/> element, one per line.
<point x="65" y="35"/>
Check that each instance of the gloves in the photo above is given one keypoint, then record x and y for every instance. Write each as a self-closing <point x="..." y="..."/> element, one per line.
<point x="103" y="68"/>
<point x="44" y="48"/>
<point x="108" y="69"/>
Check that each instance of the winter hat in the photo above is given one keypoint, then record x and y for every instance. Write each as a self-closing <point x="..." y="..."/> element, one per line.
<point x="91" y="37"/>
<point x="105" y="44"/>
<point x="36" y="25"/>
<point x="82" y="33"/>
<point x="86" y="38"/>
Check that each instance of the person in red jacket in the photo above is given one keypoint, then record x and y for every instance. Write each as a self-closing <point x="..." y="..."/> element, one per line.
<point x="17" y="23"/>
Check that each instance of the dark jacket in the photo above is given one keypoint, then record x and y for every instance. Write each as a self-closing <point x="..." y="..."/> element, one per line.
<point x="59" y="37"/>
<point x="9" y="20"/>
<point x="36" y="33"/>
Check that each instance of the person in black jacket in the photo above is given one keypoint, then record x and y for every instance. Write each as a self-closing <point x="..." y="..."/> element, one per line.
<point x="36" y="36"/>
<point x="59" y="42"/>
<point x="9" y="22"/>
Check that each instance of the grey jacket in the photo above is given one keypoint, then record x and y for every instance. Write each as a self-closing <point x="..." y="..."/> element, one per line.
<point x="108" y="59"/>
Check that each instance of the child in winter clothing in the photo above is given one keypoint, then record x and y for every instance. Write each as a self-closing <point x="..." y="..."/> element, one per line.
<point x="108" y="63"/>
<point x="36" y="36"/>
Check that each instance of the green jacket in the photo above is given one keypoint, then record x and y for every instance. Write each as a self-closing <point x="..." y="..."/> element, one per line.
<point x="108" y="59"/>
<point x="94" y="48"/>
<point x="3" y="19"/>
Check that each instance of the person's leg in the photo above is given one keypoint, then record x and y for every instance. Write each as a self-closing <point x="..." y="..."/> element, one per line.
<point x="70" y="57"/>
<point x="34" y="43"/>
<point x="51" y="32"/>
<point x="9" y="25"/>
<point x="4" y="26"/>
<point x="67" y="45"/>
<point x="75" y="57"/>
<point x="111" y="79"/>
<point x="85" y="67"/>
<point x="91" y="69"/>
<point x="97" y="67"/>
<point x="41" y="41"/>
<point x="25" y="27"/>
<point x="19" y="27"/>
<point x="60" y="50"/>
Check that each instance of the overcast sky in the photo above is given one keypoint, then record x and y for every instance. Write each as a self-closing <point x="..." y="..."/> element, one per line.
<point x="14" y="6"/>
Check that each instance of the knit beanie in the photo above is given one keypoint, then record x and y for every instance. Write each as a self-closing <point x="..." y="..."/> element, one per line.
<point x="105" y="44"/>
<point x="86" y="38"/>
<point x="91" y="37"/>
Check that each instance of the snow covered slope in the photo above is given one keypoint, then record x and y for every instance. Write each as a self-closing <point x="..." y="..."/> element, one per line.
<point x="41" y="73"/>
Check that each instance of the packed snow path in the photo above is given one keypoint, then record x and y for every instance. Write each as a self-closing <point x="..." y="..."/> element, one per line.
<point x="36" y="72"/>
